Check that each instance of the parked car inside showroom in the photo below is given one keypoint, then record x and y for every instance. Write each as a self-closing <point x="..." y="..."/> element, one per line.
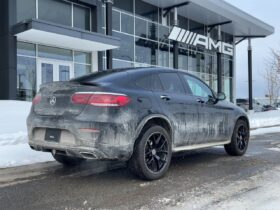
<point x="140" y="115"/>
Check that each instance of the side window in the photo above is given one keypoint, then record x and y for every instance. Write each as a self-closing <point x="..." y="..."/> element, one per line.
<point x="144" y="82"/>
<point x="171" y="83"/>
<point x="197" y="87"/>
<point x="150" y="82"/>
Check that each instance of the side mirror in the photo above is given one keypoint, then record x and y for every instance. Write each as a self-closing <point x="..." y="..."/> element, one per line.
<point x="221" y="96"/>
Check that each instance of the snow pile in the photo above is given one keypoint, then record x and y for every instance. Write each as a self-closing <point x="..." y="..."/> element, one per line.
<point x="264" y="119"/>
<point x="14" y="148"/>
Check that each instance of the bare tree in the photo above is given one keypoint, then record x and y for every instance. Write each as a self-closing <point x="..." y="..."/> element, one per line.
<point x="272" y="76"/>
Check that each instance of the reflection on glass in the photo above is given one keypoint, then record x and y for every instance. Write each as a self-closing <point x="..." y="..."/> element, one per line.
<point x="47" y="72"/>
<point x="81" y="57"/>
<point x="24" y="48"/>
<point x="127" y="24"/>
<point x="55" y="11"/>
<point x="26" y="78"/>
<point x="141" y="27"/>
<point x="25" y="9"/>
<point x="116" y="20"/>
<point x="81" y="17"/>
<point x="54" y="53"/>
<point x="64" y="73"/>
<point x="80" y="70"/>
<point x="146" y="51"/>
<point x="126" y="50"/>
<point x="163" y="55"/>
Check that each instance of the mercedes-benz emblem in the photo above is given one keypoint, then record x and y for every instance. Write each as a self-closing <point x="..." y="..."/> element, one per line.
<point x="52" y="100"/>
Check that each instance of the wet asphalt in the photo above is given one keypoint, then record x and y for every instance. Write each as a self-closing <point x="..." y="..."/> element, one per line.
<point x="109" y="185"/>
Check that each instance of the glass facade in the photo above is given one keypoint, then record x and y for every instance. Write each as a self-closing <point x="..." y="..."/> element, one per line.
<point x="56" y="11"/>
<point x="28" y="55"/>
<point x="144" y="42"/>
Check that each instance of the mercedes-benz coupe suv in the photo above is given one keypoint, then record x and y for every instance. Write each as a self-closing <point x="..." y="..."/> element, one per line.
<point x="138" y="115"/>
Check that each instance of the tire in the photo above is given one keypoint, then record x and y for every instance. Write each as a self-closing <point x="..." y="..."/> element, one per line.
<point x="239" y="140"/>
<point x="152" y="153"/>
<point x="68" y="161"/>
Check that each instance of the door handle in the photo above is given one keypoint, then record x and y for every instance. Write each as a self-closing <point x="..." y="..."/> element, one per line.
<point x="200" y="101"/>
<point x="165" y="98"/>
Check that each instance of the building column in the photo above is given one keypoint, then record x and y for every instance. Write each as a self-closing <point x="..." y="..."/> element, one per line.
<point x="109" y="31"/>
<point x="219" y="64"/>
<point x="8" y="50"/>
<point x="175" y="43"/>
<point x="250" y="75"/>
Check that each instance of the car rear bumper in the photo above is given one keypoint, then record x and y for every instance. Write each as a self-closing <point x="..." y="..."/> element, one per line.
<point x="90" y="140"/>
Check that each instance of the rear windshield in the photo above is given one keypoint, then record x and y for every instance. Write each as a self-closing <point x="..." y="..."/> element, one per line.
<point x="109" y="76"/>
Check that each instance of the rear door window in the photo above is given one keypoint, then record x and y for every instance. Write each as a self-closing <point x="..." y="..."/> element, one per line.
<point x="150" y="82"/>
<point x="171" y="83"/>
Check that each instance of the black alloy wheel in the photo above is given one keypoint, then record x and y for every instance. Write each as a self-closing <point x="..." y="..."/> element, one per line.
<point x="152" y="153"/>
<point x="240" y="139"/>
<point x="156" y="152"/>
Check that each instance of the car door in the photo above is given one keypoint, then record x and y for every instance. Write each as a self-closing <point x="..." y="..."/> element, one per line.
<point x="213" y="123"/>
<point x="178" y="107"/>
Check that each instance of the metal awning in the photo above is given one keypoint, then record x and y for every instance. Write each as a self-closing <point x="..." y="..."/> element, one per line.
<point x="210" y="12"/>
<point x="43" y="32"/>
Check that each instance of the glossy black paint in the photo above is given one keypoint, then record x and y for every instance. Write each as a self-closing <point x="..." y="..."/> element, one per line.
<point x="191" y="120"/>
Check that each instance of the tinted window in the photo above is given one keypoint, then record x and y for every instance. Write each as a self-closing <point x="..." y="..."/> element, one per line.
<point x="197" y="87"/>
<point x="150" y="82"/>
<point x="81" y="17"/>
<point x="126" y="50"/>
<point x="127" y="24"/>
<point x="171" y="83"/>
<point x="55" y="11"/>
<point x="26" y="9"/>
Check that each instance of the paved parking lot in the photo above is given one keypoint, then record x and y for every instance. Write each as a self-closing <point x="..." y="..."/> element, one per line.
<point x="192" y="179"/>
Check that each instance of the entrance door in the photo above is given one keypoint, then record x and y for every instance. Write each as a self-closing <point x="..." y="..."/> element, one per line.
<point x="51" y="71"/>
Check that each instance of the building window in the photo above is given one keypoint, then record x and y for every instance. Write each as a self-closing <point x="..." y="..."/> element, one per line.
<point x="82" y="64"/>
<point x="27" y="49"/>
<point x="26" y="9"/>
<point x="116" y="20"/>
<point x="126" y="5"/>
<point x="146" y="51"/>
<point x="55" y="11"/>
<point x="126" y="50"/>
<point x="141" y="28"/>
<point x="26" y="78"/>
<point x="54" y="53"/>
<point x="81" y="17"/>
<point x="146" y="10"/>
<point x="80" y="70"/>
<point x="127" y="23"/>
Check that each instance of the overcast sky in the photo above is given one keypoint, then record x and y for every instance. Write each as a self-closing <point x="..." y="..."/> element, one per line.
<point x="269" y="12"/>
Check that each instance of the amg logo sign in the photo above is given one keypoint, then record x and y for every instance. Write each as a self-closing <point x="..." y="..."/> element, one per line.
<point x="181" y="35"/>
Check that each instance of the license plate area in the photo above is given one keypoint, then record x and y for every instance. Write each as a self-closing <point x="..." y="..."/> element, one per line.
<point x="52" y="135"/>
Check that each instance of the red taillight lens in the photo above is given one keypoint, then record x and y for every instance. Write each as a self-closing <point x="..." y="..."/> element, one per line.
<point x="37" y="99"/>
<point x="101" y="99"/>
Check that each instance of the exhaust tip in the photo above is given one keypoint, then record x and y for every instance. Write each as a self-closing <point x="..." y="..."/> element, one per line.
<point x="88" y="155"/>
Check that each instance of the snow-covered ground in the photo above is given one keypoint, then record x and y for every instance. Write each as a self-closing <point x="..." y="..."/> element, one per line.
<point x="14" y="149"/>
<point x="264" y="119"/>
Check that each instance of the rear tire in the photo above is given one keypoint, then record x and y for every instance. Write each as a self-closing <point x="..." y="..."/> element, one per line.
<point x="239" y="140"/>
<point x="68" y="161"/>
<point x="152" y="153"/>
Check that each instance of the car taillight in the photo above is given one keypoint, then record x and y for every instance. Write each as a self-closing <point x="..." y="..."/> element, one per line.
<point x="37" y="99"/>
<point x="101" y="99"/>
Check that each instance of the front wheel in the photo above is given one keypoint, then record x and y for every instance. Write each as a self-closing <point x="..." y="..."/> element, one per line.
<point x="152" y="154"/>
<point x="68" y="161"/>
<point x="239" y="140"/>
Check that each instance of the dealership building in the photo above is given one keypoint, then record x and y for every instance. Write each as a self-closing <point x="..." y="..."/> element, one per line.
<point x="55" y="40"/>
